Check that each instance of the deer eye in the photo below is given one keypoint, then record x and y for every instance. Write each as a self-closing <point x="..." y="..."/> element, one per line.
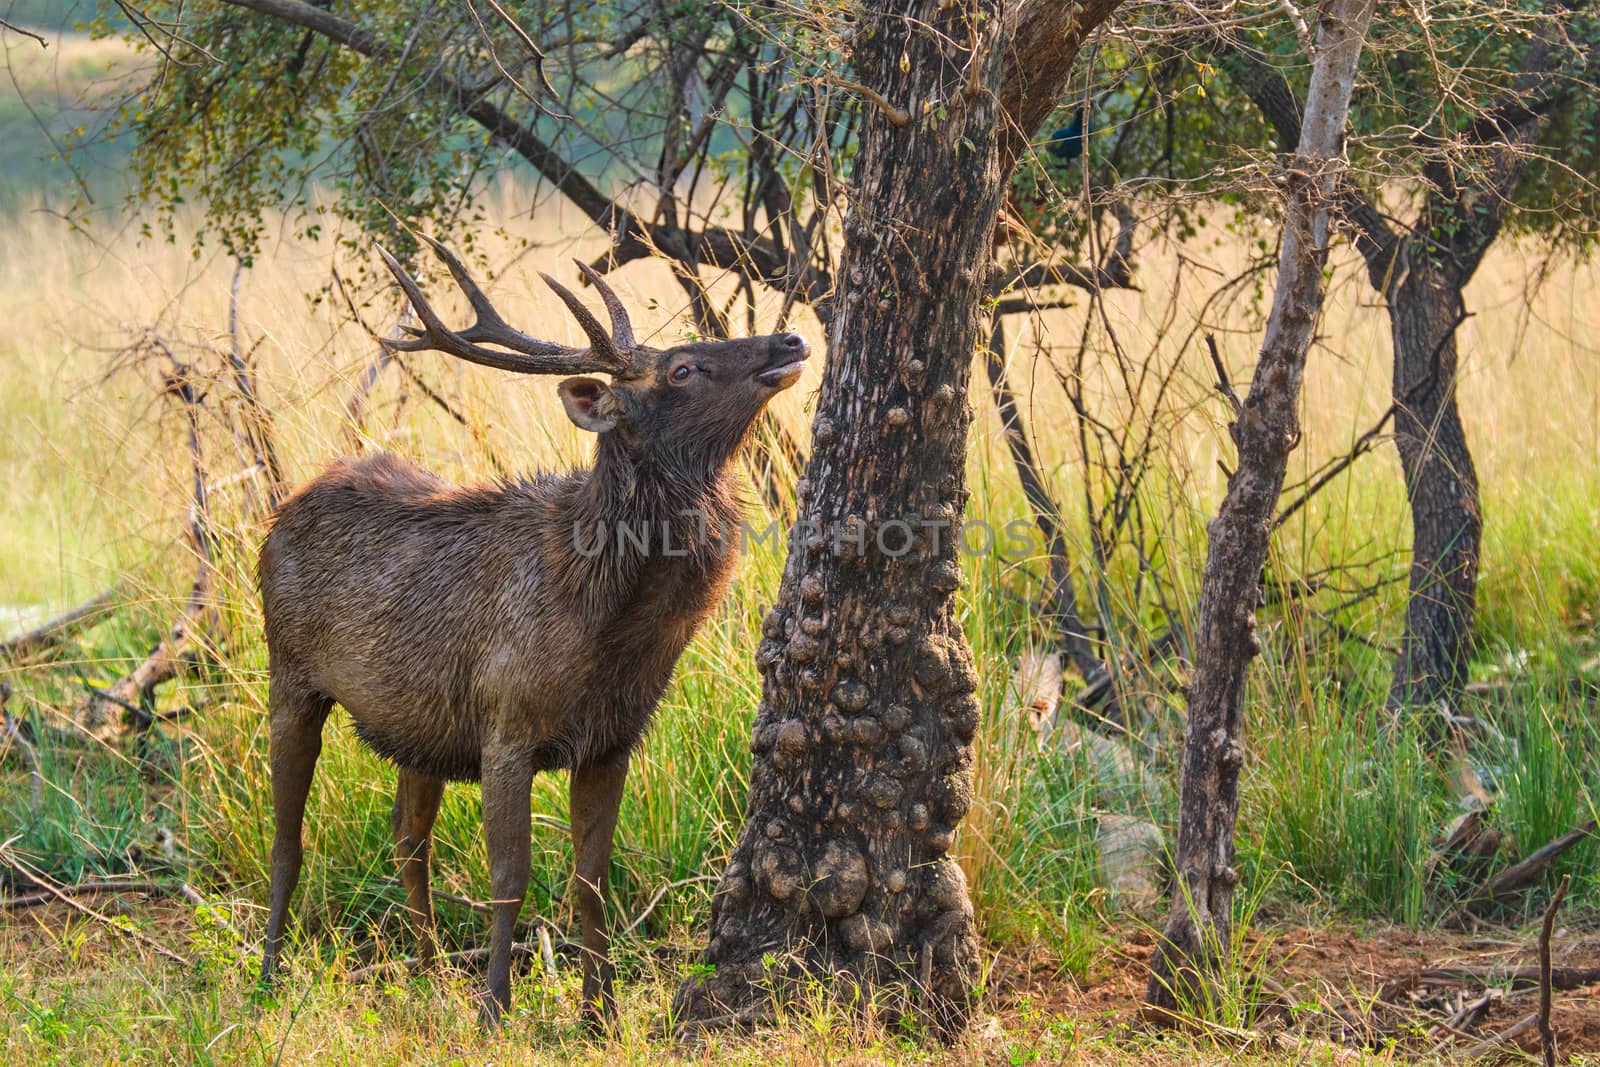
<point x="680" y="373"/>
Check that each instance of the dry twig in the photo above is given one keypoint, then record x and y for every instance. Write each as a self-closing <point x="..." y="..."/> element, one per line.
<point x="1547" y="1035"/>
<point x="57" y="629"/>
<point x="65" y="896"/>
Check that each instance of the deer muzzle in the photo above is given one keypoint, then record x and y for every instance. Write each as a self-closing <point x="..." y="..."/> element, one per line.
<point x="785" y="360"/>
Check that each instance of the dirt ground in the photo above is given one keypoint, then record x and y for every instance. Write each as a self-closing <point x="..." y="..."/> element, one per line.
<point x="1374" y="988"/>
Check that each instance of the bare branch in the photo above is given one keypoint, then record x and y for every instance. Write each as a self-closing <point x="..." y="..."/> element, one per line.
<point x="897" y="115"/>
<point x="58" y="628"/>
<point x="14" y="28"/>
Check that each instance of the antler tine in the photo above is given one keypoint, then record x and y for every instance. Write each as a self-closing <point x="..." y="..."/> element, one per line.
<point x="487" y="315"/>
<point x="528" y="355"/>
<point x="621" y="328"/>
<point x="419" y="304"/>
<point x="600" y="342"/>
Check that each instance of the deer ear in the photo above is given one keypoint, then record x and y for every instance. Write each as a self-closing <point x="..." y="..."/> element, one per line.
<point x="586" y="402"/>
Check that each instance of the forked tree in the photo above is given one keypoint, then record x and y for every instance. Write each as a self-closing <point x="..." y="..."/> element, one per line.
<point x="1265" y="430"/>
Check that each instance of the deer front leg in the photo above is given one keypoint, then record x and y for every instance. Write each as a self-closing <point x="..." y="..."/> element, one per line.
<point x="596" y="795"/>
<point x="507" y="785"/>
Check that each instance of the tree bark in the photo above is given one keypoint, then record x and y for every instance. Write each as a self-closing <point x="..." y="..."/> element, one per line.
<point x="1199" y="926"/>
<point x="1442" y="485"/>
<point x="863" y="740"/>
<point x="1421" y="270"/>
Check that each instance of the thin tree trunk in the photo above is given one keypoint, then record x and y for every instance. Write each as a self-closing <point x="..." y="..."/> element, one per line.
<point x="1442" y="484"/>
<point x="1199" y="926"/>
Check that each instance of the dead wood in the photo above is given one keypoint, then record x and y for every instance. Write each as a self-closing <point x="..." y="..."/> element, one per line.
<point x="1547" y="1035"/>
<point x="1520" y="876"/>
<point x="1562" y="978"/>
<point x="65" y="895"/>
<point x="258" y="431"/>
<point x="1464" y="1021"/>
<point x="88" y="889"/>
<point x="184" y="640"/>
<point x="58" y="629"/>
<point x="1504" y="1037"/>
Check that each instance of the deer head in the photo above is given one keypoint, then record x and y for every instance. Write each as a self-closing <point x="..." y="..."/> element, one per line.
<point x="695" y="398"/>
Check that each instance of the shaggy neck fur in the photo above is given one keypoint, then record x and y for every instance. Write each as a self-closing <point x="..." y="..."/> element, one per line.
<point x="642" y="513"/>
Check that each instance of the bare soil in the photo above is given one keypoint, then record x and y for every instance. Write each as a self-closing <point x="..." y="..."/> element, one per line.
<point x="1367" y="988"/>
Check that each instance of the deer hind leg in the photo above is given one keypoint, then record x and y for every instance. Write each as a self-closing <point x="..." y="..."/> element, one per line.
<point x="596" y="796"/>
<point x="296" y="742"/>
<point x="416" y="805"/>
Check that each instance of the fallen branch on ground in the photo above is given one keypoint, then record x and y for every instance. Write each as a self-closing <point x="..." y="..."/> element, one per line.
<point x="1519" y="876"/>
<point x="1464" y="1021"/>
<point x="1504" y="1037"/>
<point x="57" y="629"/>
<point x="64" y="895"/>
<point x="87" y="889"/>
<point x="1562" y="978"/>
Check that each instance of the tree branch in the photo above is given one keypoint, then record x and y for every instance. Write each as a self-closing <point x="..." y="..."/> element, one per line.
<point x="1043" y="38"/>
<point x="1115" y="273"/>
<point x="1273" y="96"/>
<point x="14" y="28"/>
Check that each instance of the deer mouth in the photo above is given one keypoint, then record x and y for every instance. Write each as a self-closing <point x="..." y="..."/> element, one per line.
<point x="787" y="372"/>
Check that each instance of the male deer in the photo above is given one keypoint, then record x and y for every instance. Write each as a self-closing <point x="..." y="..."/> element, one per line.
<point x="489" y="633"/>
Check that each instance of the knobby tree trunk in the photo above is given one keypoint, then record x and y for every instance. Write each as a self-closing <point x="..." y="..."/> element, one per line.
<point x="1424" y="311"/>
<point x="863" y="739"/>
<point x="1199" y="926"/>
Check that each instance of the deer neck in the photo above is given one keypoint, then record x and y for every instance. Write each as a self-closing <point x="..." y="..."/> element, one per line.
<point x="637" y="519"/>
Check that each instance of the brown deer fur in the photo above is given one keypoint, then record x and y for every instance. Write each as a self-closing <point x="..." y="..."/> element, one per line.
<point x="492" y="632"/>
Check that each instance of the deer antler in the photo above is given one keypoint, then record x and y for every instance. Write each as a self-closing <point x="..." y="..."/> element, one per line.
<point x="607" y="353"/>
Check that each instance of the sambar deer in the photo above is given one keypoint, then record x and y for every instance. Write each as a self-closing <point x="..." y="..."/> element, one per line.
<point x="492" y="632"/>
